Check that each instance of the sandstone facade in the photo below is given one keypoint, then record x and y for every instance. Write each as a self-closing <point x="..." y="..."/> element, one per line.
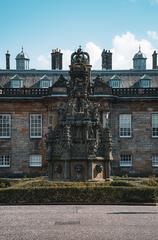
<point x="141" y="104"/>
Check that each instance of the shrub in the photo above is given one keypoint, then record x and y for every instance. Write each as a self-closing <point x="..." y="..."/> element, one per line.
<point x="121" y="183"/>
<point x="4" y="183"/>
<point x="152" y="181"/>
<point x="79" y="195"/>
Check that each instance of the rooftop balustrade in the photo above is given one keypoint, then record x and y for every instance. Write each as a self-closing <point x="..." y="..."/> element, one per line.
<point x="41" y="92"/>
<point x="135" y="92"/>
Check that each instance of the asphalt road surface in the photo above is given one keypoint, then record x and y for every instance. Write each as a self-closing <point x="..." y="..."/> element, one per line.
<point x="78" y="222"/>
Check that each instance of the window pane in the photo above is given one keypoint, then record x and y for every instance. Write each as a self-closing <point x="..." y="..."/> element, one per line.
<point x="155" y="125"/>
<point x="16" y="84"/>
<point x="126" y="160"/>
<point x="125" y="125"/>
<point x="5" y="125"/>
<point x="4" y="161"/>
<point x="155" y="160"/>
<point x="115" y="83"/>
<point x="145" y="83"/>
<point x="35" y="160"/>
<point x="45" y="83"/>
<point x="35" y="125"/>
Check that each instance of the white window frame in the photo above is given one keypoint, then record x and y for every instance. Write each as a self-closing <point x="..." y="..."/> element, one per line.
<point x="126" y="160"/>
<point x="17" y="83"/>
<point x="46" y="83"/>
<point x="5" y="128"/>
<point x="155" y="160"/>
<point x="125" y="125"/>
<point x="155" y="125"/>
<point x="35" y="127"/>
<point x="115" y="83"/>
<point x="4" y="161"/>
<point x="35" y="160"/>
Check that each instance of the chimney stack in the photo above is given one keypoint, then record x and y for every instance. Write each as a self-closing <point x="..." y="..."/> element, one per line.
<point x="106" y="60"/>
<point x="154" y="57"/>
<point x="56" y="59"/>
<point x="7" y="60"/>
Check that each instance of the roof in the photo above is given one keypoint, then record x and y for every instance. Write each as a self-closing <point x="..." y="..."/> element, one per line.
<point x="139" y="55"/>
<point x="61" y="82"/>
<point x="16" y="77"/>
<point x="115" y="77"/>
<point x="38" y="83"/>
<point x="22" y="55"/>
<point x="145" y="77"/>
<point x="44" y="77"/>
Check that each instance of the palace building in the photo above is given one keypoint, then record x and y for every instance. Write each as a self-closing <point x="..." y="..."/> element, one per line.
<point x="31" y="101"/>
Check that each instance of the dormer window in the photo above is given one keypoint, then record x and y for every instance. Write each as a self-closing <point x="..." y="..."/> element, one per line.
<point x="45" y="83"/>
<point x="16" y="83"/>
<point x="145" y="82"/>
<point x="115" y="82"/>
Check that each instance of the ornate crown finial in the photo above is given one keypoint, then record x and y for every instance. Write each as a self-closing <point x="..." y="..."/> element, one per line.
<point x="80" y="57"/>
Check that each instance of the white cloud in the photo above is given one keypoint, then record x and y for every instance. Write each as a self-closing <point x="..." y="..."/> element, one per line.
<point x="66" y="58"/>
<point x="124" y="48"/>
<point x="153" y="34"/>
<point x="43" y="62"/>
<point x="95" y="54"/>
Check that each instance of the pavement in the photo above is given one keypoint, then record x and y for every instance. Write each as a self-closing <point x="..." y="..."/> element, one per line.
<point x="78" y="222"/>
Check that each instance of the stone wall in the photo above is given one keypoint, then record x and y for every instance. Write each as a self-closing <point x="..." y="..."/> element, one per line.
<point x="140" y="145"/>
<point x="20" y="146"/>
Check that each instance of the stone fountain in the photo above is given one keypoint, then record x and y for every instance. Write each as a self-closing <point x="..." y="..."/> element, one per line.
<point x="79" y="148"/>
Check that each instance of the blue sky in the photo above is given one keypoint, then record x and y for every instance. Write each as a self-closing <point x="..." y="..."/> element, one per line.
<point x="41" y="25"/>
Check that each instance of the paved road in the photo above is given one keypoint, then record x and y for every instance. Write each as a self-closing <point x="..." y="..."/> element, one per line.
<point x="78" y="222"/>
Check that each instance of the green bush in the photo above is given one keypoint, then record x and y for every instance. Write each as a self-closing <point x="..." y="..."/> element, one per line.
<point x="121" y="183"/>
<point x="38" y="182"/>
<point x="152" y="181"/>
<point x="4" y="183"/>
<point x="79" y="195"/>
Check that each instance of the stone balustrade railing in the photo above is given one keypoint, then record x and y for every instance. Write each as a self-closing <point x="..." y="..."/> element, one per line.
<point x="39" y="92"/>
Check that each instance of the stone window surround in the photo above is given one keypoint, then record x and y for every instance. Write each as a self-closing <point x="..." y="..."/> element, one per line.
<point x="5" y="131"/>
<point x="4" y="161"/>
<point x="126" y="160"/>
<point x="37" y="129"/>
<point x="125" y="132"/>
<point x="35" y="160"/>
<point x="154" y="125"/>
